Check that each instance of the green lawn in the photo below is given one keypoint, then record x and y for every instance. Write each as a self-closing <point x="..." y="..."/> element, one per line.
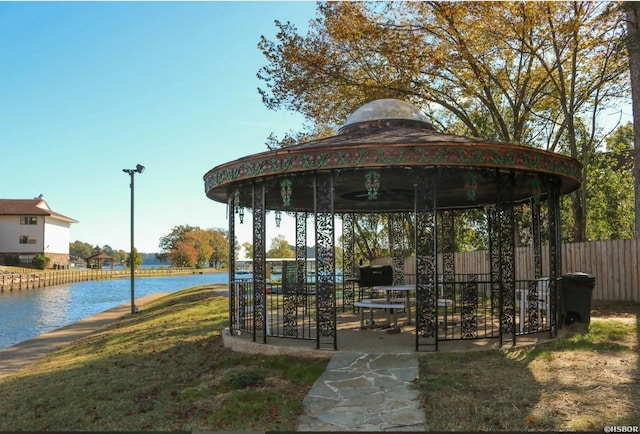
<point x="584" y="381"/>
<point x="163" y="369"/>
<point x="166" y="369"/>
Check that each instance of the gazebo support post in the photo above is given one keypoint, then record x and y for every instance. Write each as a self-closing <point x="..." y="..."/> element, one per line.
<point x="426" y="258"/>
<point x="537" y="238"/>
<point x="232" y="264"/>
<point x="259" y="262"/>
<point x="348" y="261"/>
<point x="325" y="260"/>
<point x="506" y="247"/>
<point x="395" y="246"/>
<point x="494" y="269"/>
<point x="448" y="258"/>
<point x="555" y="257"/>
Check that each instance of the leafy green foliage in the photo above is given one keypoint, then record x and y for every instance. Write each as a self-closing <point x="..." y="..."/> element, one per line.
<point x="40" y="261"/>
<point x="610" y="196"/>
<point x="280" y="248"/>
<point x="12" y="260"/>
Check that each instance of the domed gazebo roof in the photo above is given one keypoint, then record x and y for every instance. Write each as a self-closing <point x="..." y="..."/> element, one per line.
<point x="392" y="137"/>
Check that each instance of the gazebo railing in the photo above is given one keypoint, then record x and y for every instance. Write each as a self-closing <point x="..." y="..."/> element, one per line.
<point x="290" y="309"/>
<point x="467" y="309"/>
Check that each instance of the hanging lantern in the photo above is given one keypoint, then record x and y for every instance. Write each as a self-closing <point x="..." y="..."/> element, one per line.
<point x="372" y="183"/>
<point x="285" y="192"/>
<point x="278" y="218"/>
<point x="536" y="190"/>
<point x="241" y="215"/>
<point x="471" y="185"/>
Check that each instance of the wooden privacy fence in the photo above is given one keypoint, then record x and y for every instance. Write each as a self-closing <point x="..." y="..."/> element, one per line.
<point x="16" y="281"/>
<point x="615" y="265"/>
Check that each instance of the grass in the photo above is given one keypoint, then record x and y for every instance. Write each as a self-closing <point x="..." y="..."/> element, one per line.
<point x="163" y="369"/>
<point x="582" y="382"/>
<point x="166" y="369"/>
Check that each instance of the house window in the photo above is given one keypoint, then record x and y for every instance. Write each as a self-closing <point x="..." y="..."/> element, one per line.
<point x="27" y="239"/>
<point x="28" y="220"/>
<point x="25" y="259"/>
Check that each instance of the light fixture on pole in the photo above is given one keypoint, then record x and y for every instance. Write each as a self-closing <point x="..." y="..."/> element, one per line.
<point x="278" y="218"/>
<point x="139" y="169"/>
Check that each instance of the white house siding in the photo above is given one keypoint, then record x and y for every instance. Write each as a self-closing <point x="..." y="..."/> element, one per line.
<point x="11" y="230"/>
<point x="57" y="236"/>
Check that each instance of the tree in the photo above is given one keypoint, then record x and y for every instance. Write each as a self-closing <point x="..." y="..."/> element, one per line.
<point x="80" y="249"/>
<point x="183" y="254"/>
<point x="248" y="249"/>
<point x="220" y="248"/>
<point x="40" y="261"/>
<point x="191" y="246"/>
<point x="372" y="239"/>
<point x="123" y="256"/>
<point x="168" y="242"/>
<point x="137" y="259"/>
<point x="610" y="203"/>
<point x="528" y="72"/>
<point x="280" y="248"/>
<point x="633" y="47"/>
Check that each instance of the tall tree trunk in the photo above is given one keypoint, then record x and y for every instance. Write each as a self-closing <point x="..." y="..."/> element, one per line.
<point x="633" y="46"/>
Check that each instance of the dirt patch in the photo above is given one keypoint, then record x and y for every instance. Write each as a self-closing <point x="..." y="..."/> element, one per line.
<point x="615" y="310"/>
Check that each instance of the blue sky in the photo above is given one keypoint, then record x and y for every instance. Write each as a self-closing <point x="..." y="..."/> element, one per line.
<point x="89" y="89"/>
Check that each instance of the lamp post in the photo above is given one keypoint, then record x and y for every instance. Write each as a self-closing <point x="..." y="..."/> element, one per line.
<point x="139" y="169"/>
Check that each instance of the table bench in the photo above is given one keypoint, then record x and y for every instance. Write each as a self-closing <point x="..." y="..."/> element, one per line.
<point x="374" y="304"/>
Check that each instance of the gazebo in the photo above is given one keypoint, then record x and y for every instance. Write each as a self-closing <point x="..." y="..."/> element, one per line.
<point x="388" y="159"/>
<point x="98" y="260"/>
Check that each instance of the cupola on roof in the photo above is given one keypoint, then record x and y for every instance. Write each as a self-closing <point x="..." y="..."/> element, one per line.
<point x="386" y="109"/>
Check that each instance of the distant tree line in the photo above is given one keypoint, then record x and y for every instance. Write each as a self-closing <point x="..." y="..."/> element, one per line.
<point x="84" y="250"/>
<point x="191" y="246"/>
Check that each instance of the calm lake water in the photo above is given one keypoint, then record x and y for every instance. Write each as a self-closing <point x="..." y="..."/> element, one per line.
<point x="27" y="314"/>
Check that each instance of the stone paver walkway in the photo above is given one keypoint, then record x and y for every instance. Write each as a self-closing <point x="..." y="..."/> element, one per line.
<point x="365" y="392"/>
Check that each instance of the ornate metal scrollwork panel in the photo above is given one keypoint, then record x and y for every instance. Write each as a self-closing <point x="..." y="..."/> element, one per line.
<point x="506" y="245"/>
<point x="426" y="266"/>
<point x="242" y="288"/>
<point x="233" y="324"/>
<point x="448" y="258"/>
<point x="396" y="245"/>
<point x="325" y="261"/>
<point x="537" y="239"/>
<point x="494" y="262"/>
<point x="469" y="307"/>
<point x="259" y="260"/>
<point x="532" y="307"/>
<point x="348" y="260"/>
<point x="555" y="256"/>
<point x="294" y="279"/>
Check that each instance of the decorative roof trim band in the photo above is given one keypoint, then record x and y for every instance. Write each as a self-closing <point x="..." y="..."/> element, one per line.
<point x="283" y="162"/>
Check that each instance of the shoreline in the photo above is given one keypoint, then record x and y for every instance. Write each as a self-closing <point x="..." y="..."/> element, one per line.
<point x="12" y="280"/>
<point x="20" y="355"/>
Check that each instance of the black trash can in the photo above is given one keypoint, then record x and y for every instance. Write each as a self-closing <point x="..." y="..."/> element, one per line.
<point x="575" y="297"/>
